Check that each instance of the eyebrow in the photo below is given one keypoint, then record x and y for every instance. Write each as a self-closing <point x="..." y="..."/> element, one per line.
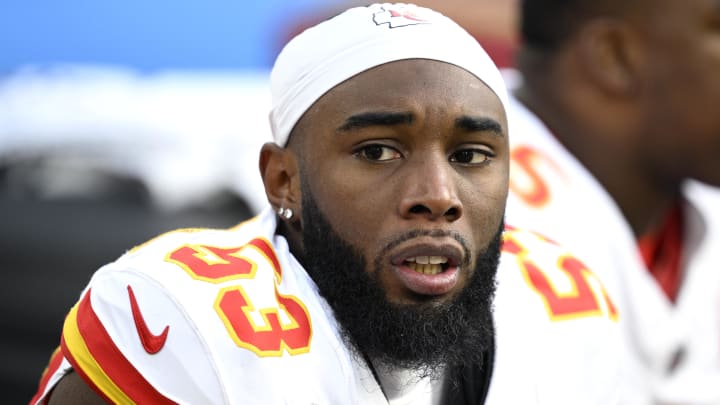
<point x="385" y="118"/>
<point x="479" y="124"/>
<point x="376" y="118"/>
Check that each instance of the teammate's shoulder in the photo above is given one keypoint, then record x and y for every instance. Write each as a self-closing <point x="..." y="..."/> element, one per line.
<point x="553" y="276"/>
<point x="556" y="326"/>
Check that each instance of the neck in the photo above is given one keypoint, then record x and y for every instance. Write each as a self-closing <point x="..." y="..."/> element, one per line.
<point x="293" y="237"/>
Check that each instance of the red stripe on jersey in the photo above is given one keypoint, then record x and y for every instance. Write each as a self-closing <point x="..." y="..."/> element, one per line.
<point x="661" y="251"/>
<point x="52" y="368"/>
<point x="109" y="357"/>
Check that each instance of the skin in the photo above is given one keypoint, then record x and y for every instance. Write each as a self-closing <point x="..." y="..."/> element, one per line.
<point x="634" y="96"/>
<point x="71" y="389"/>
<point x="375" y="182"/>
<point x="439" y="162"/>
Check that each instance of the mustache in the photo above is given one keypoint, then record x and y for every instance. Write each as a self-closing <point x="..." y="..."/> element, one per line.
<point x="436" y="233"/>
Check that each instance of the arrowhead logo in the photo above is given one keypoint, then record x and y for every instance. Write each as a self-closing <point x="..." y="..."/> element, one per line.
<point x="400" y="15"/>
<point x="151" y="343"/>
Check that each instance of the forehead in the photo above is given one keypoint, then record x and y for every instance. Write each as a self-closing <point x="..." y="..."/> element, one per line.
<point x="414" y="85"/>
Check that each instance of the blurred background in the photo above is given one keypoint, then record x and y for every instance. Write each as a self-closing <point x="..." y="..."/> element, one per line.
<point x="123" y="120"/>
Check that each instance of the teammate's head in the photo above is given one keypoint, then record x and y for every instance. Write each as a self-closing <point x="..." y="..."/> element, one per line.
<point x="392" y="148"/>
<point x="548" y="24"/>
<point x="648" y="69"/>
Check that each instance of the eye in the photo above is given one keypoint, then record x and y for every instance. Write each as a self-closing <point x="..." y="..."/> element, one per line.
<point x="471" y="156"/>
<point x="377" y="153"/>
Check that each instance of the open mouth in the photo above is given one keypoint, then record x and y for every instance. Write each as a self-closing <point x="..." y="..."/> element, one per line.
<point x="427" y="264"/>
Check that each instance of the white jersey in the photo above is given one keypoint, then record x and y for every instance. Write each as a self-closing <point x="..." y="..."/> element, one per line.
<point x="230" y="317"/>
<point x="670" y="351"/>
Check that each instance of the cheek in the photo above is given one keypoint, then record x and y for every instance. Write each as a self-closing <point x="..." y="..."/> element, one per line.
<point x="484" y="206"/>
<point x="352" y="204"/>
<point x="690" y="104"/>
<point x="694" y="78"/>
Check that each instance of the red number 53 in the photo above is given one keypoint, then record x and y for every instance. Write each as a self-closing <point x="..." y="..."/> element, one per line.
<point x="273" y="337"/>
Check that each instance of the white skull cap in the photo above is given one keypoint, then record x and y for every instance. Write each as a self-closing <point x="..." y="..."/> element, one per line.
<point x="361" y="38"/>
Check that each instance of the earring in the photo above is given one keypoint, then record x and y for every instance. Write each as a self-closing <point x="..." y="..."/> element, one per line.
<point x="286" y="213"/>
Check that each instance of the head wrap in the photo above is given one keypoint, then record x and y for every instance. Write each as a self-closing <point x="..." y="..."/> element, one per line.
<point x="361" y="38"/>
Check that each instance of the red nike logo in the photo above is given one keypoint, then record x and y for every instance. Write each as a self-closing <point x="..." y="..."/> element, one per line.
<point x="151" y="342"/>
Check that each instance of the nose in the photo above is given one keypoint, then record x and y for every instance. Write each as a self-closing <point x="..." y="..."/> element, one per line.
<point x="430" y="191"/>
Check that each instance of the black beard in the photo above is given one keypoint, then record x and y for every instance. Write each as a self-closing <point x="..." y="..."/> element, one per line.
<point x="424" y="337"/>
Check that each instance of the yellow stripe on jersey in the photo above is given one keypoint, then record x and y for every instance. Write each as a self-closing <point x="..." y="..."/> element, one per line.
<point x="84" y="362"/>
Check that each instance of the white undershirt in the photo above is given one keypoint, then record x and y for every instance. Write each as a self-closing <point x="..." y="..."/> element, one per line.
<point x="402" y="387"/>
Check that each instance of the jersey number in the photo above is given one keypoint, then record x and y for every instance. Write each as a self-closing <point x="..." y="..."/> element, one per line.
<point x="525" y="180"/>
<point x="585" y="297"/>
<point x="285" y="326"/>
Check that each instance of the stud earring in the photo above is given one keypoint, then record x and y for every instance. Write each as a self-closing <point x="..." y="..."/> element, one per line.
<point x="285" y="213"/>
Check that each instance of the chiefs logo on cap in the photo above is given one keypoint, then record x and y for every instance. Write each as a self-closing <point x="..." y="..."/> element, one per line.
<point x="400" y="16"/>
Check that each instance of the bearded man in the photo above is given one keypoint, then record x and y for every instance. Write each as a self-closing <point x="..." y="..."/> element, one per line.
<point x="370" y="277"/>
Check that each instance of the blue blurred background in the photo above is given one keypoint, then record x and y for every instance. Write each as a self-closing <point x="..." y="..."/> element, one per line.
<point x="150" y="35"/>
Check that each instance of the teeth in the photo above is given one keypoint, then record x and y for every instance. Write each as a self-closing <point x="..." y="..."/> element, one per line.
<point x="438" y="260"/>
<point x="428" y="259"/>
<point x="426" y="268"/>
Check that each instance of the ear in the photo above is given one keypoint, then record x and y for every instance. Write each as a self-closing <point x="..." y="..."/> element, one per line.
<point x="281" y="177"/>
<point x="610" y="55"/>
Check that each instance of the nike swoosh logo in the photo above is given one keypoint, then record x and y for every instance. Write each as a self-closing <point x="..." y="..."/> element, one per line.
<point x="151" y="342"/>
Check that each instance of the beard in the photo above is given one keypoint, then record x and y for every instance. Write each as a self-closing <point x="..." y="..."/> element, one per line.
<point x="425" y="337"/>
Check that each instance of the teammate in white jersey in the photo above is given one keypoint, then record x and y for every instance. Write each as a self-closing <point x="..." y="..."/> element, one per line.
<point x="370" y="278"/>
<point x="614" y="123"/>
